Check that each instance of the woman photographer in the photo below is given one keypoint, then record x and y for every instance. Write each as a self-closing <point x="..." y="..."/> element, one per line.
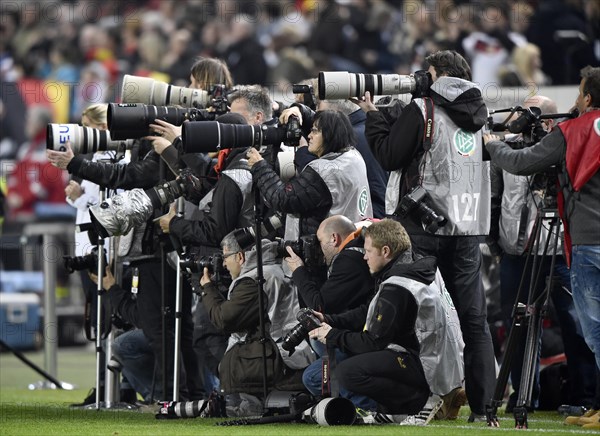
<point x="334" y="184"/>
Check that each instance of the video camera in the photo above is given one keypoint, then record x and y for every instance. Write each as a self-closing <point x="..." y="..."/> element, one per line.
<point x="88" y="262"/>
<point x="307" y="321"/>
<point x="343" y="85"/>
<point x="207" y="136"/>
<point x="83" y="140"/>
<point x="528" y="122"/>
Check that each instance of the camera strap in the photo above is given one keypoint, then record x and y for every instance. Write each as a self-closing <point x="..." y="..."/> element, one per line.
<point x="329" y="386"/>
<point x="428" y="128"/>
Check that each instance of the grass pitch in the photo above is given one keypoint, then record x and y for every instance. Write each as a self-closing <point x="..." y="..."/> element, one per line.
<point x="46" y="412"/>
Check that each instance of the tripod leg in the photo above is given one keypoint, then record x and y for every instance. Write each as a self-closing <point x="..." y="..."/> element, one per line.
<point x="513" y="343"/>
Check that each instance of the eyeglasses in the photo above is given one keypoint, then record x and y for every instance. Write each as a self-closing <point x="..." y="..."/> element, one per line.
<point x="225" y="256"/>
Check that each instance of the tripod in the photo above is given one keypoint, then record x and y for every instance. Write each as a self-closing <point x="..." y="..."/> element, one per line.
<point x="527" y="321"/>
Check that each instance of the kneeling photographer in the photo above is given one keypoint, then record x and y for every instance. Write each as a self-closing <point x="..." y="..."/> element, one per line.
<point x="349" y="283"/>
<point x="574" y="146"/>
<point x="238" y="314"/>
<point x="381" y="370"/>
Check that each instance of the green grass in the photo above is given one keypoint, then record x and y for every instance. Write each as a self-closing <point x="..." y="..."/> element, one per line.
<point x="46" y="412"/>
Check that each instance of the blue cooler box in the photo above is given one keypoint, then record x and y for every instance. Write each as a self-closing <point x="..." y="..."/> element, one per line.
<point x="20" y="320"/>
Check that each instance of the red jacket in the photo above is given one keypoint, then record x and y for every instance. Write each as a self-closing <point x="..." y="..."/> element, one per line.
<point x="33" y="179"/>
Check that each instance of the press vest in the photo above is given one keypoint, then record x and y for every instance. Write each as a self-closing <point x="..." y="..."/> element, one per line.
<point x="345" y="175"/>
<point x="438" y="333"/>
<point x="455" y="176"/>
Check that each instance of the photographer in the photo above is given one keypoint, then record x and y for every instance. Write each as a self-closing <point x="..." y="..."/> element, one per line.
<point x="380" y="341"/>
<point x="145" y="254"/>
<point x="335" y="183"/>
<point x="516" y="200"/>
<point x="349" y="283"/>
<point x="238" y="314"/>
<point x="376" y="175"/>
<point x="446" y="161"/>
<point x="574" y="146"/>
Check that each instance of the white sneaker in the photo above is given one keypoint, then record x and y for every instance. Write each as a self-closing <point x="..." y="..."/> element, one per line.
<point x="375" y="418"/>
<point x="434" y="403"/>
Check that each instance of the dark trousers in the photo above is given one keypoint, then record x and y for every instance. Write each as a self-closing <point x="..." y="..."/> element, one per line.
<point x="149" y="305"/>
<point x="396" y="381"/>
<point x="459" y="261"/>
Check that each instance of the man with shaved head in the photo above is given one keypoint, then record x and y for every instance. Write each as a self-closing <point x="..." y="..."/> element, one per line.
<point x="348" y="283"/>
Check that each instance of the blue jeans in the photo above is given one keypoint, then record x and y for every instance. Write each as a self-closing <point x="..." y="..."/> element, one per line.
<point x="585" y="281"/>
<point x="313" y="378"/>
<point x="133" y="350"/>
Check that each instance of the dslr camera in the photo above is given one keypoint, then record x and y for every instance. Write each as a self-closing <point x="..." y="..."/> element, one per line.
<point x="195" y="264"/>
<point x="88" y="262"/>
<point x="307" y="248"/>
<point x="415" y="202"/>
<point x="307" y="321"/>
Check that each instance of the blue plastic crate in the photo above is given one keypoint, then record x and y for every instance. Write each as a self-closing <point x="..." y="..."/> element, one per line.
<point x="20" y="320"/>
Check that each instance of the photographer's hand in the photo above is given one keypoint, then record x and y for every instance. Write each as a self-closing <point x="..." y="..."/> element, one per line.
<point x="73" y="190"/>
<point x="320" y="333"/>
<point x="166" y="130"/>
<point x="294" y="261"/>
<point x="108" y="280"/>
<point x="366" y="103"/>
<point x="289" y="112"/>
<point x="205" y="279"/>
<point x="319" y="315"/>
<point x="253" y="156"/>
<point x="60" y="159"/>
<point x="165" y="220"/>
<point x="158" y="143"/>
<point x="488" y="137"/>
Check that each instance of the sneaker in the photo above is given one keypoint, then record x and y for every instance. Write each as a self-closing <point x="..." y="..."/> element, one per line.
<point x="426" y="414"/>
<point x="453" y="401"/>
<point x="128" y="396"/>
<point x="376" y="418"/>
<point x="574" y="420"/>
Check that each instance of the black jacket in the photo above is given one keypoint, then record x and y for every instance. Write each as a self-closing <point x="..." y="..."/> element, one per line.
<point x="395" y="307"/>
<point x="225" y="209"/>
<point x="348" y="286"/>
<point x="306" y="195"/>
<point x="375" y="174"/>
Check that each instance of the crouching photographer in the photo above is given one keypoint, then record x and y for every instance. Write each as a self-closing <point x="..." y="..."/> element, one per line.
<point x="241" y="369"/>
<point x="382" y="371"/>
<point x="574" y="147"/>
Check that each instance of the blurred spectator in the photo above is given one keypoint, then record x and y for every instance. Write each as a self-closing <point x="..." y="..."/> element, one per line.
<point x="559" y="29"/>
<point x="242" y="52"/>
<point x="490" y="45"/>
<point x="525" y="68"/>
<point x="33" y="179"/>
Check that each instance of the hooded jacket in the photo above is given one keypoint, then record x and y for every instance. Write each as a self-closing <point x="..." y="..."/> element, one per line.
<point x="452" y="167"/>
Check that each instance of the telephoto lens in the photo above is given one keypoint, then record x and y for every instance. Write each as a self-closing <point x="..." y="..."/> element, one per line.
<point x="145" y="90"/>
<point x="132" y="120"/>
<point x="83" y="140"/>
<point x="343" y="85"/>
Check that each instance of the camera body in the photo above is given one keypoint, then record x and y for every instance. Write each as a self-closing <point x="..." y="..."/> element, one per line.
<point x="88" y="262"/>
<point x="307" y="321"/>
<point x="306" y="247"/>
<point x="415" y="202"/>
<point x="195" y="264"/>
